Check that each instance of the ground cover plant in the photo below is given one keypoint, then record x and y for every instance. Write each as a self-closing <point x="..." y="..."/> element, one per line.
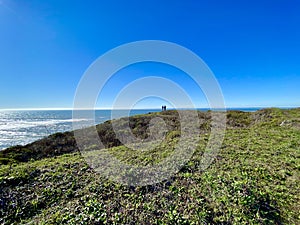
<point x="254" y="178"/>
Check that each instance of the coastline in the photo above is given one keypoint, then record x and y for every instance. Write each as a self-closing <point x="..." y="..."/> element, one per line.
<point x="256" y="168"/>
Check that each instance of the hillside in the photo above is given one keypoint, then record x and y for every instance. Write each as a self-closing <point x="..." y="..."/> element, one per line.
<point x="253" y="180"/>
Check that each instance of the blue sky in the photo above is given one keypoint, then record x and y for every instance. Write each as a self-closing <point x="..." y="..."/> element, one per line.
<point x="252" y="47"/>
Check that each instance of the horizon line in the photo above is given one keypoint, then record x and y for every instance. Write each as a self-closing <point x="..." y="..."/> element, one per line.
<point x="71" y="109"/>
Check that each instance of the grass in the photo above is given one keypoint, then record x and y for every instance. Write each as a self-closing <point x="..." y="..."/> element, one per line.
<point x="253" y="180"/>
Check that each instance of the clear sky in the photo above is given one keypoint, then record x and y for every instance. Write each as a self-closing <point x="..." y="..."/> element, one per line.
<point x="253" y="47"/>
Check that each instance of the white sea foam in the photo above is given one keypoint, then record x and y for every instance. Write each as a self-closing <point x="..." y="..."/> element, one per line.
<point x="18" y="124"/>
<point x="21" y="131"/>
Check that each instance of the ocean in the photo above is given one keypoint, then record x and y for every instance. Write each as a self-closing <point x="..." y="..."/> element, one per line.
<point x="25" y="126"/>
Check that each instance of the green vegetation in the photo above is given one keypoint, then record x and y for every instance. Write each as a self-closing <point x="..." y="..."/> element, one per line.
<point x="253" y="180"/>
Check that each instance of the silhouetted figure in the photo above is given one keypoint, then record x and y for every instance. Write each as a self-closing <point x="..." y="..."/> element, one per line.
<point x="163" y="108"/>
